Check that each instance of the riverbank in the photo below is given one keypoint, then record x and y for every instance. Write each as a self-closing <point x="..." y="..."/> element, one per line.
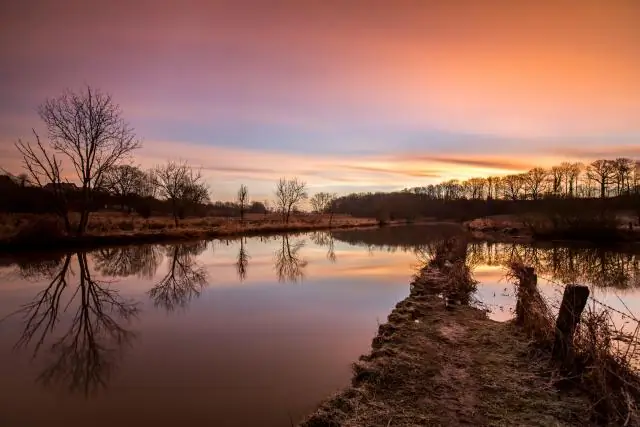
<point x="438" y="361"/>
<point x="107" y="231"/>
<point x="510" y="228"/>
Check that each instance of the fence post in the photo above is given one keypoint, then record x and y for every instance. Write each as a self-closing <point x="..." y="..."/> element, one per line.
<point x="573" y="302"/>
<point x="528" y="283"/>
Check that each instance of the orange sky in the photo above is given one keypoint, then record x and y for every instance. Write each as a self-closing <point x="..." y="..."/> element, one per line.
<point x="352" y="95"/>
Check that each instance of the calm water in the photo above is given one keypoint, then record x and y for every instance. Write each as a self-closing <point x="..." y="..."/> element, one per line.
<point x="246" y="332"/>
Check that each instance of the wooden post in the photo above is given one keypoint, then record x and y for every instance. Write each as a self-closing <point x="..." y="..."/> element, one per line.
<point x="573" y="302"/>
<point x="528" y="285"/>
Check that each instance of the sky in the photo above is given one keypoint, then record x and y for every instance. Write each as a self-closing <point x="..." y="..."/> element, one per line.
<point x="346" y="95"/>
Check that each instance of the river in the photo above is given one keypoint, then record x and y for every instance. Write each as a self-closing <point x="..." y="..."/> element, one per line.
<point x="253" y="331"/>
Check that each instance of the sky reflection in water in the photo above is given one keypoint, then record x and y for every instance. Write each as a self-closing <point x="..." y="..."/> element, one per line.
<point x="245" y="332"/>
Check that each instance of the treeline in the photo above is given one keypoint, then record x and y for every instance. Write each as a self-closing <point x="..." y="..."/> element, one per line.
<point x="87" y="133"/>
<point x="602" y="184"/>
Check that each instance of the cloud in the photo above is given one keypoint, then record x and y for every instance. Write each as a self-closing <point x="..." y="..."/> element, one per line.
<point x="498" y="163"/>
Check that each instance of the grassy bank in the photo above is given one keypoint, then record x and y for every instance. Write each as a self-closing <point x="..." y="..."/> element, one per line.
<point x="438" y="361"/>
<point x="36" y="232"/>
<point x="574" y="227"/>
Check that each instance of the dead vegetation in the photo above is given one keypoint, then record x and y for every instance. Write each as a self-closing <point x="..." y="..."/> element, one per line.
<point x="604" y="357"/>
<point x="437" y="363"/>
<point x="28" y="231"/>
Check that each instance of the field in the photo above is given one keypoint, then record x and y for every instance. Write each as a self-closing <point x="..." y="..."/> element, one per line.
<point x="27" y="231"/>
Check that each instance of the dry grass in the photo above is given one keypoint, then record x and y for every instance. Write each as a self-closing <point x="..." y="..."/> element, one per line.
<point x="46" y="231"/>
<point x="438" y="364"/>
<point x="605" y="357"/>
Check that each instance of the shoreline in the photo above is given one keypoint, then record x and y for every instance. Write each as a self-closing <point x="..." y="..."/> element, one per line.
<point x="123" y="238"/>
<point x="437" y="363"/>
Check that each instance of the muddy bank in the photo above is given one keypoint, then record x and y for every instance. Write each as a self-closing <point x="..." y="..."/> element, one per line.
<point x="438" y="361"/>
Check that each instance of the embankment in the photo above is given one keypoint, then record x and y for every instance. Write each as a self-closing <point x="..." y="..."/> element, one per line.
<point x="440" y="361"/>
<point x="118" y="237"/>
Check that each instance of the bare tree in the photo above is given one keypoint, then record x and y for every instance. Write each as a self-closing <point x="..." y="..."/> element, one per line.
<point x="557" y="173"/>
<point x="623" y="174"/>
<point x="45" y="170"/>
<point x="181" y="186"/>
<point x="603" y="173"/>
<point x="289" y="193"/>
<point x="87" y="130"/>
<point x="124" y="181"/>
<point x="513" y="185"/>
<point x="323" y="203"/>
<point x="243" y="199"/>
<point x="534" y="181"/>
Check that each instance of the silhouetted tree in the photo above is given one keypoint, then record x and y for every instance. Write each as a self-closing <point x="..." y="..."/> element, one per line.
<point x="87" y="130"/>
<point x="125" y="181"/>
<point x="603" y="173"/>
<point x="243" y="196"/>
<point x="181" y="186"/>
<point x="323" y="203"/>
<point x="289" y="193"/>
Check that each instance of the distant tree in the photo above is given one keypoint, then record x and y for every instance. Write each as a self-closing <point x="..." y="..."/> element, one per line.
<point x="623" y="174"/>
<point x="534" y="181"/>
<point x="183" y="187"/>
<point x="603" y="173"/>
<point x="86" y="129"/>
<point x="289" y="193"/>
<point x="243" y="195"/>
<point x="513" y="186"/>
<point x="557" y="174"/>
<point x="323" y="203"/>
<point x="124" y="181"/>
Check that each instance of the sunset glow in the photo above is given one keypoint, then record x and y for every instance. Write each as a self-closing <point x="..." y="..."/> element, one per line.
<point x="349" y="96"/>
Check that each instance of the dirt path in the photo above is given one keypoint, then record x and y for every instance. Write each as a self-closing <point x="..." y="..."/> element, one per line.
<point x="433" y="365"/>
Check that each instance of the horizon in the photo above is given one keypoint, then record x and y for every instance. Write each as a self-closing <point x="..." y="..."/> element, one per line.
<point x="347" y="96"/>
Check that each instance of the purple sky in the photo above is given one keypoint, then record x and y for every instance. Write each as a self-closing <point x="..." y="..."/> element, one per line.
<point x="348" y="95"/>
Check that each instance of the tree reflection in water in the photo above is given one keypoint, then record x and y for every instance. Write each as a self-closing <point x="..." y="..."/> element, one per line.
<point x="585" y="265"/>
<point x="325" y="238"/>
<point x="142" y="261"/>
<point x="84" y="356"/>
<point x="185" y="277"/>
<point x="289" y="264"/>
<point x="243" y="261"/>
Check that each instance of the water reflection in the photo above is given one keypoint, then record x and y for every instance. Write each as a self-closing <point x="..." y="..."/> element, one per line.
<point x="185" y="277"/>
<point x="83" y="357"/>
<point x="243" y="260"/>
<point x="142" y="261"/>
<point x="325" y="239"/>
<point x="289" y="263"/>
<point x="599" y="267"/>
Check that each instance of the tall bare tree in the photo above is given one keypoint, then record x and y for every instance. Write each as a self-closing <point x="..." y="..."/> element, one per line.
<point x="513" y="185"/>
<point x="323" y="203"/>
<point x="243" y="199"/>
<point x="623" y="174"/>
<point x="183" y="187"/>
<point x="289" y="194"/>
<point x="534" y="182"/>
<point x="602" y="172"/>
<point x="86" y="130"/>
